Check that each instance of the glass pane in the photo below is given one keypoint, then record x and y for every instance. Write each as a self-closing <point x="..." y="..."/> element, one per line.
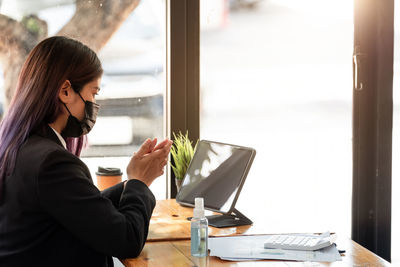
<point x="277" y="76"/>
<point x="133" y="84"/>
<point x="396" y="140"/>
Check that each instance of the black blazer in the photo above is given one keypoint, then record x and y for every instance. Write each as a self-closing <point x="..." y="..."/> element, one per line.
<point x="53" y="215"/>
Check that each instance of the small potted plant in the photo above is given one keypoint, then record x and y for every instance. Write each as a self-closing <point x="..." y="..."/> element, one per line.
<point x="182" y="153"/>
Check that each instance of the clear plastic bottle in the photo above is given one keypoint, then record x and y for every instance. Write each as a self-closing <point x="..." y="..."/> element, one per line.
<point x="199" y="230"/>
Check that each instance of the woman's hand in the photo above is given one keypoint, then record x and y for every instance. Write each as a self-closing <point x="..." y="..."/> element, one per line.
<point x="148" y="163"/>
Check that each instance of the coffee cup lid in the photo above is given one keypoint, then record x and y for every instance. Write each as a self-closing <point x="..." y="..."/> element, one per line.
<point x="105" y="171"/>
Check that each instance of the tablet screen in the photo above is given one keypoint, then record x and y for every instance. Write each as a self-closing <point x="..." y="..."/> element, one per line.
<point x="216" y="173"/>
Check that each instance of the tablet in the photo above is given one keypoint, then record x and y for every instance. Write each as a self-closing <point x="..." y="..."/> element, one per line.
<point x="216" y="173"/>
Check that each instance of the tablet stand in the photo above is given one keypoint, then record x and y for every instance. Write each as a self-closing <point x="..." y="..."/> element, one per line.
<point x="228" y="220"/>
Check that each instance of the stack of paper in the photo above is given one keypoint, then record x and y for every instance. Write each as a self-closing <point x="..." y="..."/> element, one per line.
<point x="239" y="248"/>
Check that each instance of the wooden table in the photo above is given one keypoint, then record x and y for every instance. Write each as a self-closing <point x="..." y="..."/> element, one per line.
<point x="168" y="244"/>
<point x="169" y="222"/>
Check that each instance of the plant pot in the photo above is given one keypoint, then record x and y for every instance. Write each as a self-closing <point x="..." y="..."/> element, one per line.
<point x="178" y="183"/>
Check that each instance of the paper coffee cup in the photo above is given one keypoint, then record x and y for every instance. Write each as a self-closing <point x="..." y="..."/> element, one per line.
<point x="107" y="177"/>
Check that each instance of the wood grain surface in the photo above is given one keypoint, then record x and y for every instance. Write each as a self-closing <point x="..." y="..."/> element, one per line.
<point x="168" y="244"/>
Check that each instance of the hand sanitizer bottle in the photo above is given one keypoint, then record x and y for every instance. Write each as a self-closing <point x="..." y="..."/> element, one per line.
<point x="199" y="230"/>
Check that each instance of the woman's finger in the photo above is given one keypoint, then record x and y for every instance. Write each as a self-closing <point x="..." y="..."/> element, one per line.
<point x="162" y="153"/>
<point x="162" y="144"/>
<point x="144" y="149"/>
<point x="152" y="145"/>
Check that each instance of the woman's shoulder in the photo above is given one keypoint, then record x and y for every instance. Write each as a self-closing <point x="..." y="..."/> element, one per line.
<point x="40" y="144"/>
<point x="38" y="149"/>
<point x="39" y="154"/>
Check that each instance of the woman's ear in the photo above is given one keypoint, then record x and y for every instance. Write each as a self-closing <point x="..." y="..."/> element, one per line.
<point x="65" y="92"/>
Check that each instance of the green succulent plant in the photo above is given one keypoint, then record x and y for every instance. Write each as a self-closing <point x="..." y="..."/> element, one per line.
<point x="182" y="152"/>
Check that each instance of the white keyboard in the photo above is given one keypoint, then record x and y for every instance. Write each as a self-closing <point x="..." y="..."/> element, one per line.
<point x="299" y="241"/>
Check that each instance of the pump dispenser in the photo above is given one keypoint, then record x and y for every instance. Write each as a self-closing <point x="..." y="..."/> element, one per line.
<point x="199" y="230"/>
<point x="198" y="211"/>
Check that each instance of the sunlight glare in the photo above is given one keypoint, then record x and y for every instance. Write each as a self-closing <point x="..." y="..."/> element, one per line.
<point x="334" y="8"/>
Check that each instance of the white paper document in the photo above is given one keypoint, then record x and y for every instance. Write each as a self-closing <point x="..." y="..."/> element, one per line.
<point x="239" y="248"/>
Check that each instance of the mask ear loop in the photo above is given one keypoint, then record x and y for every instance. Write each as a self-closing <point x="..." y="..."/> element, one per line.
<point x="79" y="96"/>
<point x="67" y="109"/>
<point x="84" y="101"/>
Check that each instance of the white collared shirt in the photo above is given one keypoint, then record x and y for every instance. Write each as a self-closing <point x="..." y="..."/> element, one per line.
<point x="60" y="137"/>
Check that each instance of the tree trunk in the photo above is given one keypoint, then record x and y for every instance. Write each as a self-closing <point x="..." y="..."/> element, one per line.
<point x="16" y="40"/>
<point x="93" y="23"/>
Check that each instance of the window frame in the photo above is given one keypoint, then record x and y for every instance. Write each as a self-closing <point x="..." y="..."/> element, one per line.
<point x="372" y="124"/>
<point x="183" y="73"/>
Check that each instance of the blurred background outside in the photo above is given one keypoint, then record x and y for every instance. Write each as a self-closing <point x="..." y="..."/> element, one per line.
<point x="276" y="75"/>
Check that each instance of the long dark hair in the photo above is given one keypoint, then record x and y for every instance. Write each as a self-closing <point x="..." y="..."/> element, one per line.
<point x="35" y="102"/>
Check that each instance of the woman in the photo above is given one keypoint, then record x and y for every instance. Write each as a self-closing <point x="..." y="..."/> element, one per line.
<point x="51" y="214"/>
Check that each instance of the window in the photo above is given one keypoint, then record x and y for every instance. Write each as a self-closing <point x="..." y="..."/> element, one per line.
<point x="133" y="84"/>
<point x="277" y="76"/>
<point x="396" y="139"/>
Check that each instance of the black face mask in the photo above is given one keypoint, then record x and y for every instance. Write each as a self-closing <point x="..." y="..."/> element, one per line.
<point x="76" y="128"/>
